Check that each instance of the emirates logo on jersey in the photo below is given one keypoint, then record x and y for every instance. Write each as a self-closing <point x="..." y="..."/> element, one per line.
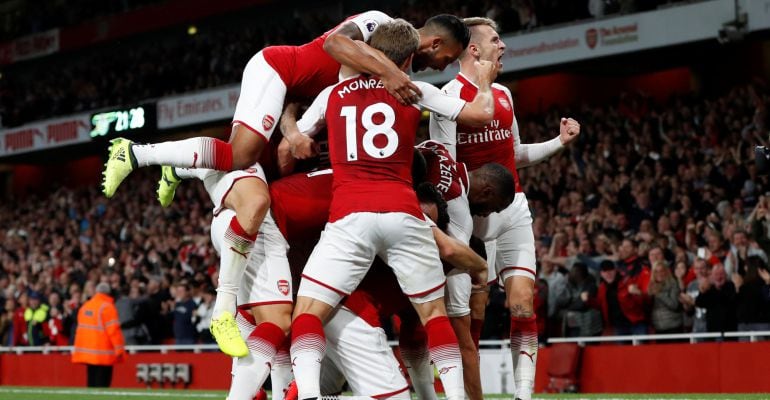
<point x="283" y="286"/>
<point x="267" y="122"/>
<point x="503" y="102"/>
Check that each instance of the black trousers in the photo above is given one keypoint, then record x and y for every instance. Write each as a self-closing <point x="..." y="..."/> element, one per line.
<point x="99" y="375"/>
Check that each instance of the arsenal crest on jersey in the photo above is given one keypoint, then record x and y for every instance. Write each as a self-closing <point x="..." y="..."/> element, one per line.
<point x="283" y="286"/>
<point x="503" y="102"/>
<point x="267" y="122"/>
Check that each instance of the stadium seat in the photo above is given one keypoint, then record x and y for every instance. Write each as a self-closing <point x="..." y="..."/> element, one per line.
<point x="142" y="373"/>
<point x="155" y="374"/>
<point x="563" y="368"/>
<point x="183" y="373"/>
<point x="169" y="373"/>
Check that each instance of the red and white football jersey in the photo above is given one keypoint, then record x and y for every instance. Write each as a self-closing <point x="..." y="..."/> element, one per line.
<point x="476" y="146"/>
<point x="308" y="69"/>
<point x="371" y="139"/>
<point x="300" y="204"/>
<point x="448" y="176"/>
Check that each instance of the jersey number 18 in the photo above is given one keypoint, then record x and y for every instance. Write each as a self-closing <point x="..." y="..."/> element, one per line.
<point x="372" y="130"/>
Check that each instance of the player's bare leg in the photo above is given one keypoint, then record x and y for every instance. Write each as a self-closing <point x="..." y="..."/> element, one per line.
<point x="520" y="291"/>
<point x="442" y="345"/>
<point x="478" y="306"/>
<point x="470" y="356"/>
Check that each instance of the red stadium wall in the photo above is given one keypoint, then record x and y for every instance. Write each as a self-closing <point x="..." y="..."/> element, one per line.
<point x="669" y="368"/>
<point x="662" y="368"/>
<point x="208" y="370"/>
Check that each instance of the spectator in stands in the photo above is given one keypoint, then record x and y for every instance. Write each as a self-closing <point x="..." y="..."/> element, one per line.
<point x="184" y="315"/>
<point x="19" y="336"/>
<point x="203" y="314"/>
<point x="632" y="288"/>
<point x="752" y="302"/>
<point x="98" y="340"/>
<point x="687" y="299"/>
<point x="6" y="322"/>
<point x="615" y="320"/>
<point x="53" y="329"/>
<point x="557" y="282"/>
<point x="664" y="291"/>
<point x="717" y="296"/>
<point x="132" y="312"/>
<point x="760" y="224"/>
<point x="35" y="316"/>
<point x="579" y="316"/>
<point x="740" y="251"/>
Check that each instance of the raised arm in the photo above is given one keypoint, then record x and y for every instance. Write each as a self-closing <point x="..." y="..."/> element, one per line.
<point x="533" y="153"/>
<point x="347" y="45"/>
<point x="481" y="110"/>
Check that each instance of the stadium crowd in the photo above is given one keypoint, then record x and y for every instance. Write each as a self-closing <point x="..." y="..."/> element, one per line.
<point x="654" y="221"/>
<point x="128" y="73"/>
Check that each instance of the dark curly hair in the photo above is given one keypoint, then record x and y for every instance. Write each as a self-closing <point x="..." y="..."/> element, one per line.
<point x="427" y="193"/>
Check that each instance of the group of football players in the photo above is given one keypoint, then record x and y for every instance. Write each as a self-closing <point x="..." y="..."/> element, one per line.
<point x="366" y="223"/>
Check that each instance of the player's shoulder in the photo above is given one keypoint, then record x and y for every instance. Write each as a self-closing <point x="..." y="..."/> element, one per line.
<point x="452" y="87"/>
<point x="502" y="88"/>
<point x="368" y="21"/>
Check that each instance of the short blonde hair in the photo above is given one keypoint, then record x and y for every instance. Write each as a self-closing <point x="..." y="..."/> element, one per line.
<point x="470" y="22"/>
<point x="397" y="39"/>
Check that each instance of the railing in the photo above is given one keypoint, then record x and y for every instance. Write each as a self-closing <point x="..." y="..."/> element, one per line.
<point x="754" y="336"/>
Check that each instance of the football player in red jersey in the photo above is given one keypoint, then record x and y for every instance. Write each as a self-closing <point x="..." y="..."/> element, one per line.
<point x="270" y="76"/>
<point x="508" y="235"/>
<point x="374" y="210"/>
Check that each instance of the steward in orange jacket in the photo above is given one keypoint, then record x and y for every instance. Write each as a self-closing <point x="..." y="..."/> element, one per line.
<point x="99" y="341"/>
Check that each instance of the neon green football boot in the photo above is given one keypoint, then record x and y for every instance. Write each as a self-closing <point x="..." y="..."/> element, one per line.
<point x="119" y="165"/>
<point x="228" y="337"/>
<point x="167" y="185"/>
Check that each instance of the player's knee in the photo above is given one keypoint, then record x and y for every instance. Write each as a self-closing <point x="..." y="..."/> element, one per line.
<point x="520" y="300"/>
<point x="243" y="160"/>
<point x="246" y="148"/>
<point x="284" y="322"/>
<point x="251" y="212"/>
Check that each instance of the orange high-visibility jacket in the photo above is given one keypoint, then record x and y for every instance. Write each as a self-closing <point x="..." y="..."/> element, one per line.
<point x="98" y="339"/>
